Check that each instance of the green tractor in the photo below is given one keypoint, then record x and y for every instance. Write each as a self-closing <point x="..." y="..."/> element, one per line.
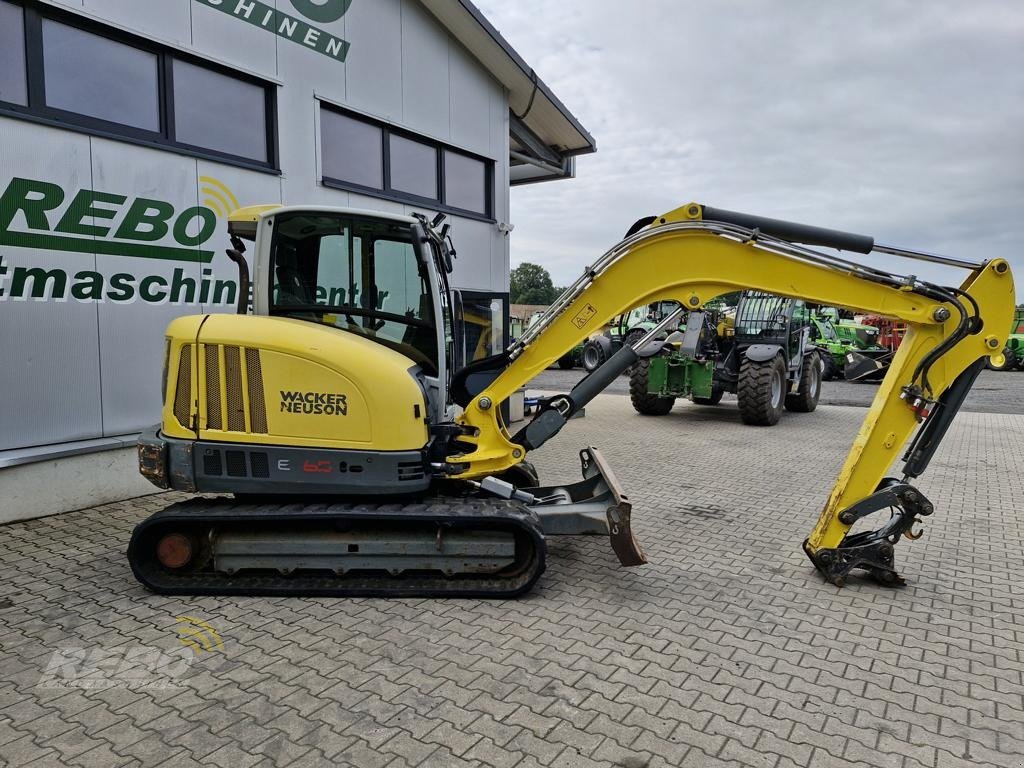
<point x="1013" y="352"/>
<point x="761" y="351"/>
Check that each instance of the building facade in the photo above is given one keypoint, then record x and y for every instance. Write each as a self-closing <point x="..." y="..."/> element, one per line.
<point x="129" y="129"/>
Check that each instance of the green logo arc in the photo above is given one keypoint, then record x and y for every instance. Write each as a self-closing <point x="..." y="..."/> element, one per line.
<point x="324" y="12"/>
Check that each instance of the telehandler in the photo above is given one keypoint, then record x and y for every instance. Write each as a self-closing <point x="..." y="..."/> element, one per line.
<point x="711" y="357"/>
<point x="366" y="458"/>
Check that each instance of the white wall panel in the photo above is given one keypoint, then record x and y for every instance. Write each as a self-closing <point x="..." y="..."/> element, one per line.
<point x="425" y="84"/>
<point x="473" y="241"/>
<point x="376" y="204"/>
<point x="499" y="151"/>
<point x="168" y="20"/>
<point x="236" y="41"/>
<point x="132" y="332"/>
<point x="471" y="92"/>
<point x="50" y="374"/>
<point x="299" y="143"/>
<point x="374" y="64"/>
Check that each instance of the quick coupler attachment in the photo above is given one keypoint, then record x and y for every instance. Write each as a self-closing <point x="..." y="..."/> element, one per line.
<point x="872" y="551"/>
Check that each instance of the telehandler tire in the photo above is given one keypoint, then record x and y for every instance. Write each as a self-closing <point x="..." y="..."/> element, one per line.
<point x="1009" y="361"/>
<point x="644" y="402"/>
<point x="805" y="399"/>
<point x="593" y="356"/>
<point x="761" y="391"/>
<point x="715" y="399"/>
<point x="830" y="369"/>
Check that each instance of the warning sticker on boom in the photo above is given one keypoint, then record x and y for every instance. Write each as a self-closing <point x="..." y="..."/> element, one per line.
<point x="584" y="316"/>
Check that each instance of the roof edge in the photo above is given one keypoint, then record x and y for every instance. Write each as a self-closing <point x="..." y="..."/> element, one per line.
<point x="531" y="74"/>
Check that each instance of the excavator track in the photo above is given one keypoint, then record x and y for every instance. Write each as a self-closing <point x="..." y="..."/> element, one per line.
<point x="443" y="547"/>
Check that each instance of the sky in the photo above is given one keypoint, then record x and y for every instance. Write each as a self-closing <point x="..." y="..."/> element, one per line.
<point x="896" y="119"/>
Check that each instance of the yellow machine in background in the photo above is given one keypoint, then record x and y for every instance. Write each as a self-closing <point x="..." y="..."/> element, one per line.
<point x="366" y="456"/>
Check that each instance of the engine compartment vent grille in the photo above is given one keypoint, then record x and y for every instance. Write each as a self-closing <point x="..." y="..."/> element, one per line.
<point x="260" y="464"/>
<point x="211" y="462"/>
<point x="233" y="376"/>
<point x="233" y="389"/>
<point x="236" y="463"/>
<point x="214" y="416"/>
<point x="257" y="406"/>
<point x="410" y="470"/>
<point x="183" y="389"/>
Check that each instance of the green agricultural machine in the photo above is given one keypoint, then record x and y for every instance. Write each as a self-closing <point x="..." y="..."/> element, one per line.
<point x="1013" y="353"/>
<point x="761" y="351"/>
<point x="571" y="359"/>
<point x="627" y="328"/>
<point x="847" y="348"/>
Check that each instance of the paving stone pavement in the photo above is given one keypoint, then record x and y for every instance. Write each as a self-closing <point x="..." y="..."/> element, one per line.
<point x="726" y="650"/>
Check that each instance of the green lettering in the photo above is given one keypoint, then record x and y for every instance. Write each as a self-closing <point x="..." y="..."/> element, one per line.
<point x="147" y="283"/>
<point x="33" y="199"/>
<point x="40" y="281"/>
<point x="181" y="283"/>
<point x="82" y="207"/>
<point x="122" y="287"/>
<point x="146" y="220"/>
<point x="206" y="228"/>
<point x="88" y="285"/>
<point x="221" y="287"/>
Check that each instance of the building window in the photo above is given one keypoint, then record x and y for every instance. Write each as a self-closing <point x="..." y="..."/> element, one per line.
<point x="413" y="167"/>
<point x="371" y="157"/>
<point x="13" y="81"/>
<point x="465" y="182"/>
<point x="218" y="112"/>
<point x="96" y="76"/>
<point x="352" y="150"/>
<point x="61" y="69"/>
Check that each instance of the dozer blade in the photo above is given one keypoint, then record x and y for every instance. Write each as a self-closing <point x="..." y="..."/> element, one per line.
<point x="867" y="365"/>
<point x="444" y="547"/>
<point x="619" y="511"/>
<point x="595" y="505"/>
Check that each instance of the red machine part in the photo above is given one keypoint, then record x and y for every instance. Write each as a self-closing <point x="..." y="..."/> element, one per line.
<point x="890" y="332"/>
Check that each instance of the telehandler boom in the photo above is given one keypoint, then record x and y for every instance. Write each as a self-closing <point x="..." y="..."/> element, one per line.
<point x="367" y="457"/>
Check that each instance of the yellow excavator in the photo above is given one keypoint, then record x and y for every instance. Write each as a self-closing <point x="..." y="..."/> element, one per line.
<point x="357" y="452"/>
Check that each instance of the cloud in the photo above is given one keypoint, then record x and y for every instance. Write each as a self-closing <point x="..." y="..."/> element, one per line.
<point x="901" y="120"/>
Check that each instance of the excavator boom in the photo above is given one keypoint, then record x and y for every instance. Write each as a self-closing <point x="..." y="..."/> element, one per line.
<point x="694" y="254"/>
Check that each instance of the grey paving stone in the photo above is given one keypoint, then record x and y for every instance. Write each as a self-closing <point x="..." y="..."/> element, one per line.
<point x="726" y="649"/>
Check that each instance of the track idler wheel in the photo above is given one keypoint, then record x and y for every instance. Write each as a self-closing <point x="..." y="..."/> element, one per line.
<point x="175" y="550"/>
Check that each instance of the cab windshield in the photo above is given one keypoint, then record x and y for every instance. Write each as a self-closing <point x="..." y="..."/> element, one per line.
<point x="361" y="275"/>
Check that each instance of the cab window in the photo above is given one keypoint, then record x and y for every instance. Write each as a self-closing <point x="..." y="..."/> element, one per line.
<point x="359" y="275"/>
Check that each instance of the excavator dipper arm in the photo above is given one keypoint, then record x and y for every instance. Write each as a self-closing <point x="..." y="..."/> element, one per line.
<point x="694" y="254"/>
